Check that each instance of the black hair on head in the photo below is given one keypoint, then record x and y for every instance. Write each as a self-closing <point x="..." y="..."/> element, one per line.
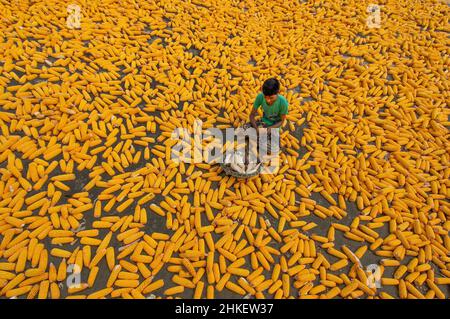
<point x="271" y="87"/>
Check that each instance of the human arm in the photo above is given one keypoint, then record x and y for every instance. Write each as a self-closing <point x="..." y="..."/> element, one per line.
<point x="254" y="112"/>
<point x="252" y="117"/>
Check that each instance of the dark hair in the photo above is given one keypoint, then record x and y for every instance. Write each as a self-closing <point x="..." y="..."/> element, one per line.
<point x="271" y="87"/>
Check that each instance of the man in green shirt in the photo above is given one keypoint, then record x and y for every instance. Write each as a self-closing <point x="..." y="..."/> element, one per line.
<point x="274" y="105"/>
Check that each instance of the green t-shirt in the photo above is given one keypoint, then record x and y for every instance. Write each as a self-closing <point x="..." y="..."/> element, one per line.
<point x="272" y="113"/>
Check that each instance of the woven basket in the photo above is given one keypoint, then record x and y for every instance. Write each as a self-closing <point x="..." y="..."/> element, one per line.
<point x="230" y="171"/>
